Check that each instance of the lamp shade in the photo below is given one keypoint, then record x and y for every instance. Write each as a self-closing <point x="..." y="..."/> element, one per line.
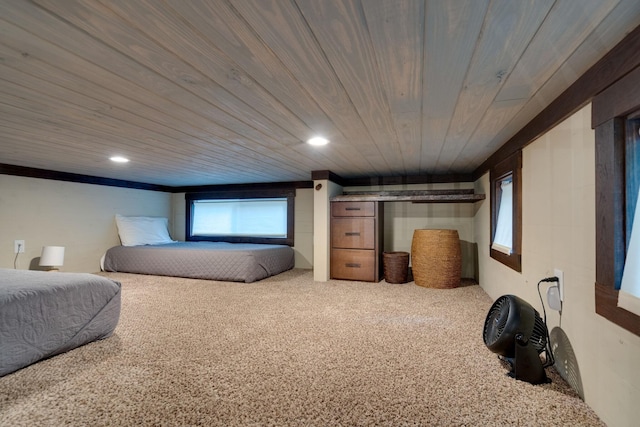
<point x="52" y="256"/>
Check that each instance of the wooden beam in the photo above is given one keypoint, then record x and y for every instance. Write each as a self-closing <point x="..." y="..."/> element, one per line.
<point x="618" y="100"/>
<point x="74" y="177"/>
<point x="263" y="186"/>
<point x="328" y="175"/>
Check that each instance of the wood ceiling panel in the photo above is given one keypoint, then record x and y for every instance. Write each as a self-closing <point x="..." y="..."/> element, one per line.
<point x="109" y="81"/>
<point x="343" y="35"/>
<point x="98" y="108"/>
<point x="626" y="14"/>
<point x="183" y="84"/>
<point x="81" y="114"/>
<point x="282" y="27"/>
<point x="61" y="142"/>
<point x="508" y="29"/>
<point x="223" y="26"/>
<point x="169" y="74"/>
<point x="52" y="141"/>
<point x="559" y="36"/>
<point x="226" y="91"/>
<point x="397" y="34"/>
<point x="206" y="68"/>
<point x="452" y="32"/>
<point x="247" y="81"/>
<point x="98" y="100"/>
<point x="79" y="133"/>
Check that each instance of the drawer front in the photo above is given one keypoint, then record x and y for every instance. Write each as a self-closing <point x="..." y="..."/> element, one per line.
<point x="353" y="264"/>
<point x="353" y="233"/>
<point x="353" y="209"/>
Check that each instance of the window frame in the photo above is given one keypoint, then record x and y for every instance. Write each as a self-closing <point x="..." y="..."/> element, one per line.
<point x="508" y="168"/>
<point x="609" y="118"/>
<point x="249" y="194"/>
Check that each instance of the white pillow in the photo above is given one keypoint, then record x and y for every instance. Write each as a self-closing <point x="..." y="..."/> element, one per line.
<point x="143" y="230"/>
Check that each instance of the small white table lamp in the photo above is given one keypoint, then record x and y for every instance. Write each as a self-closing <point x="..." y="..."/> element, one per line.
<point x="52" y="256"/>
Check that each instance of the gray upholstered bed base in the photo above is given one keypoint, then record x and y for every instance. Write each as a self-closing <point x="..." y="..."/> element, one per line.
<point x="236" y="262"/>
<point x="43" y="314"/>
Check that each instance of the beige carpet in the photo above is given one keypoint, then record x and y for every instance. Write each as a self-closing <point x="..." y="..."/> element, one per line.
<point x="287" y="351"/>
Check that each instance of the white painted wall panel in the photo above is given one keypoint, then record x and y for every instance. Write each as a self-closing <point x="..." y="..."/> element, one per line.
<point x="558" y="189"/>
<point x="79" y="217"/>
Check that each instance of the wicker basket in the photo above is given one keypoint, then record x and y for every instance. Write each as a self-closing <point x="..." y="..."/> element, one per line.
<point x="396" y="267"/>
<point x="436" y="258"/>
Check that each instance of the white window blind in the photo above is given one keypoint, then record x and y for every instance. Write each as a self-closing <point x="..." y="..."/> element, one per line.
<point x="503" y="239"/>
<point x="240" y="217"/>
<point x="629" y="296"/>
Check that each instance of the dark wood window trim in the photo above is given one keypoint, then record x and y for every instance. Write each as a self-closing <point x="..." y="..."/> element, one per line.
<point x="288" y="193"/>
<point x="608" y="118"/>
<point x="510" y="167"/>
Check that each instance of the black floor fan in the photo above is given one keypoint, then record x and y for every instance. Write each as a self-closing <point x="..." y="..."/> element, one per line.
<point x="514" y="330"/>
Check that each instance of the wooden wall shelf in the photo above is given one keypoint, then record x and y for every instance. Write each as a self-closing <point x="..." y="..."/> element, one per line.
<point x="420" y="196"/>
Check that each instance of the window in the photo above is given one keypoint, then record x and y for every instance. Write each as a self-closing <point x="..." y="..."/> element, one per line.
<point x="503" y="239"/>
<point x="506" y="212"/>
<point x="241" y="217"/>
<point x="617" y="176"/>
<point x="629" y="297"/>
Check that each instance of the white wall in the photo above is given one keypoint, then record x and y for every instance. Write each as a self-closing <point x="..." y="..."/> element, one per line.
<point x="303" y="239"/>
<point x="558" y="192"/>
<point x="323" y="192"/>
<point x="178" y="216"/>
<point x="79" y="217"/>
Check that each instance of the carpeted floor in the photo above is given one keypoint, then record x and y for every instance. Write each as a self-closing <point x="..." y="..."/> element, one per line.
<point x="287" y="351"/>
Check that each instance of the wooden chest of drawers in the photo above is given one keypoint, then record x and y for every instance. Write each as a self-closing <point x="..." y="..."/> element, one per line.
<point x="356" y="241"/>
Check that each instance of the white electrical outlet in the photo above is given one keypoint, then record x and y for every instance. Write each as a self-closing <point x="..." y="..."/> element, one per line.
<point x="560" y="275"/>
<point x="18" y="246"/>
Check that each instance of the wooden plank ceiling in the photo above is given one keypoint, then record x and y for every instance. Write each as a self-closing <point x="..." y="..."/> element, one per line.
<point x="219" y="92"/>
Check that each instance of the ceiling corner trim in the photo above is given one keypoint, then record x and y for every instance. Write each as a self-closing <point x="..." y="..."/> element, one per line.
<point x="29" y="172"/>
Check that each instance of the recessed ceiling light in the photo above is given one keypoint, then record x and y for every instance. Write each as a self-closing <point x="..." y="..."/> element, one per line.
<point x="318" y="140"/>
<point x="119" y="159"/>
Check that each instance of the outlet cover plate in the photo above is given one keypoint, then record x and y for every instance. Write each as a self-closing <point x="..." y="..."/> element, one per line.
<point x="18" y="246"/>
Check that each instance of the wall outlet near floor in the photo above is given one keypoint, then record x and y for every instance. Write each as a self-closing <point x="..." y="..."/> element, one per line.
<point x="560" y="275"/>
<point x="18" y="246"/>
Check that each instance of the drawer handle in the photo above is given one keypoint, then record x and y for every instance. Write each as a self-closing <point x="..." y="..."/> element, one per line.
<point x="352" y="265"/>
<point x="352" y="209"/>
<point x="352" y="233"/>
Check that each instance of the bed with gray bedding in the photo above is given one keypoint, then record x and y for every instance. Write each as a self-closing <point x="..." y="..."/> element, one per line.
<point x="43" y="314"/>
<point x="234" y="262"/>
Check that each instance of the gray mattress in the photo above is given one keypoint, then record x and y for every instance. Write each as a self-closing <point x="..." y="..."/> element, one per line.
<point x="43" y="314"/>
<point x="235" y="262"/>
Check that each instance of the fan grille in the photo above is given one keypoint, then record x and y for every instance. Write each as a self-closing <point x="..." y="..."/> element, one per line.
<point x="539" y="335"/>
<point x="496" y="321"/>
<point x="508" y="316"/>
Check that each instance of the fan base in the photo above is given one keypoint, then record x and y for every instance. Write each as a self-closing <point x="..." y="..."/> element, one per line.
<point x="526" y="365"/>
